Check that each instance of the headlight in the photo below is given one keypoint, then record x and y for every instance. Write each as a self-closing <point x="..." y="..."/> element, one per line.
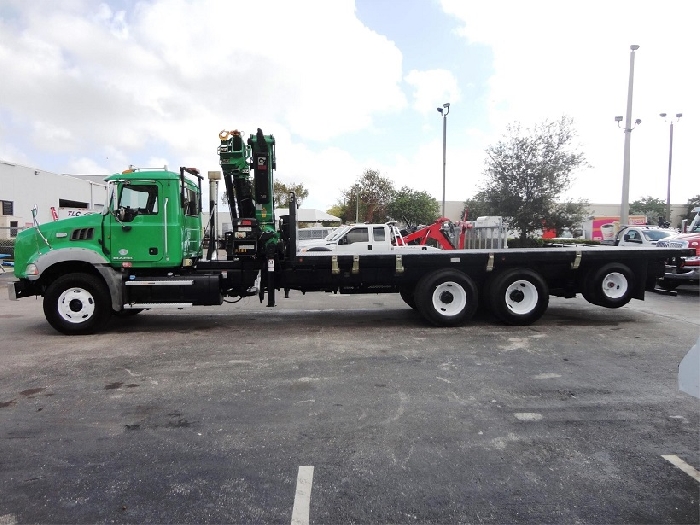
<point x="31" y="269"/>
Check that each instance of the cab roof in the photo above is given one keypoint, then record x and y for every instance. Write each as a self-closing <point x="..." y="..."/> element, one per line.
<point x="144" y="174"/>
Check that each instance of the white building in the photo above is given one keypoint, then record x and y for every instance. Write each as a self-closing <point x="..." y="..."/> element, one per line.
<point x="22" y="187"/>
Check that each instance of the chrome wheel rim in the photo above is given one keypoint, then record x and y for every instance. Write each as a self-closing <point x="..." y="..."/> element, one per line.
<point x="521" y="297"/>
<point x="76" y="305"/>
<point x="614" y="285"/>
<point x="449" y="299"/>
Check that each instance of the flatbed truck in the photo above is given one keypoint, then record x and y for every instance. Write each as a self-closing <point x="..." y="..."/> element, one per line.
<point x="145" y="251"/>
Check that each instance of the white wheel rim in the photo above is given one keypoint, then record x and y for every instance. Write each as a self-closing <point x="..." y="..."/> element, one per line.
<point x="449" y="299"/>
<point x="75" y="305"/>
<point x="614" y="285"/>
<point x="521" y="297"/>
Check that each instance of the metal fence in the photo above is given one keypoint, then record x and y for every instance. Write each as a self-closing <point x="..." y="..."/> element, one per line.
<point x="486" y="232"/>
<point x="7" y="243"/>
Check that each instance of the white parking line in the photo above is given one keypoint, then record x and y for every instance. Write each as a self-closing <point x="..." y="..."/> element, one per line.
<point x="678" y="462"/>
<point x="302" y="499"/>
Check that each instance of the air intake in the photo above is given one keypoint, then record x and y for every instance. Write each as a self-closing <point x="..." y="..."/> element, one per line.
<point x="82" y="234"/>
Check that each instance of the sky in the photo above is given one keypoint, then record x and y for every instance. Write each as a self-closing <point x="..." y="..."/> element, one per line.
<point x="92" y="87"/>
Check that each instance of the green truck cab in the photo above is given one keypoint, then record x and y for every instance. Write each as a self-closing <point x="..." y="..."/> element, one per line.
<point x="151" y="221"/>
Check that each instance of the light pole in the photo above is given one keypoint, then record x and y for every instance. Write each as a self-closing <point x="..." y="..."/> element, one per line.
<point x="670" y="159"/>
<point x="625" y="207"/>
<point x="444" y="111"/>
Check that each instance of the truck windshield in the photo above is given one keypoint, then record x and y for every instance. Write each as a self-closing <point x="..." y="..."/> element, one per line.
<point x="337" y="234"/>
<point x="655" y="235"/>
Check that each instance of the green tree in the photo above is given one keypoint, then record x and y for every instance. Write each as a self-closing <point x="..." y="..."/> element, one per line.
<point x="693" y="202"/>
<point x="567" y="215"/>
<point x="651" y="207"/>
<point x="338" y="209"/>
<point x="528" y="170"/>
<point x="280" y="193"/>
<point x="477" y="207"/>
<point x="413" y="207"/>
<point x="374" y="192"/>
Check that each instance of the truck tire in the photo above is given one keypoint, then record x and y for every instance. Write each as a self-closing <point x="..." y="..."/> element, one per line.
<point x="408" y="296"/>
<point x="667" y="285"/>
<point x="446" y="297"/>
<point x="127" y="312"/>
<point x="77" y="304"/>
<point x="518" y="296"/>
<point x="610" y="286"/>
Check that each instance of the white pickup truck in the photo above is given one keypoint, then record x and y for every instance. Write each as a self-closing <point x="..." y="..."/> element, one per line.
<point x="362" y="238"/>
<point x="642" y="235"/>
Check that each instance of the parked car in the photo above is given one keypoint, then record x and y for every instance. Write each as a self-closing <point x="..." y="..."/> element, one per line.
<point x="642" y="235"/>
<point x="361" y="238"/>
<point x="687" y="270"/>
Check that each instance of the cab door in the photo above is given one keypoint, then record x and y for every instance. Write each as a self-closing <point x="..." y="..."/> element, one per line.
<point x="356" y="239"/>
<point x="137" y="224"/>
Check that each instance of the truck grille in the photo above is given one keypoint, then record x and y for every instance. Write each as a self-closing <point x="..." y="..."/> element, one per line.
<point x="82" y="234"/>
<point x="672" y="244"/>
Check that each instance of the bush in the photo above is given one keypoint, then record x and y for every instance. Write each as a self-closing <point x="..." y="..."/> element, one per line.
<point x="525" y="243"/>
<point x="548" y="243"/>
<point x="587" y="242"/>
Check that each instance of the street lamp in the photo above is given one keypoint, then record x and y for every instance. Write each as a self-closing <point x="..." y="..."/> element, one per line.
<point x="444" y="111"/>
<point x="670" y="159"/>
<point x="625" y="206"/>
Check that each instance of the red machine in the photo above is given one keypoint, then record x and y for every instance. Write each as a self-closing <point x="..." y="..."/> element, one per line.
<point x="442" y="231"/>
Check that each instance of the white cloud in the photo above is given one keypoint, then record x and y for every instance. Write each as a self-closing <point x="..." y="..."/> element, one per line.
<point x="169" y="75"/>
<point x="101" y="88"/>
<point x="552" y="58"/>
<point x="432" y="88"/>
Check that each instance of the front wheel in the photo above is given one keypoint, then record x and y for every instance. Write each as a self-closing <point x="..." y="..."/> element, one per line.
<point x="667" y="285"/>
<point x="518" y="296"/>
<point x="77" y="304"/>
<point x="446" y="297"/>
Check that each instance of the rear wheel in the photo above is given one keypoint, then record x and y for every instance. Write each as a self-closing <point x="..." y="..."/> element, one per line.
<point x="610" y="286"/>
<point x="408" y="296"/>
<point x="127" y="312"/>
<point x="77" y="304"/>
<point x="518" y="296"/>
<point x="446" y="297"/>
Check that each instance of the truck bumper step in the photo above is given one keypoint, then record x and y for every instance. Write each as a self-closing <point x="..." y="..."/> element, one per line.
<point x="144" y="306"/>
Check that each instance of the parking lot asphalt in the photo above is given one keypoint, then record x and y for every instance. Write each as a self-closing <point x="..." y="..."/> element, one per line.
<point x="217" y="414"/>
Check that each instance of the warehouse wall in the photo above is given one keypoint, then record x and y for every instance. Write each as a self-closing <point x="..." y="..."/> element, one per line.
<point x="22" y="187"/>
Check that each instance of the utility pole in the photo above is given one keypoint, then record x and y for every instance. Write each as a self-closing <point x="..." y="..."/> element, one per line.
<point x="625" y="206"/>
<point x="670" y="161"/>
<point x="444" y="111"/>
